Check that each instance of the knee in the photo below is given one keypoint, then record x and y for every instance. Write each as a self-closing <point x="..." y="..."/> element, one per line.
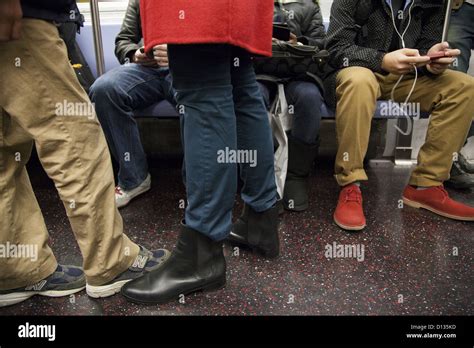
<point x="356" y="79"/>
<point x="460" y="88"/>
<point x="104" y="88"/>
<point x="307" y="92"/>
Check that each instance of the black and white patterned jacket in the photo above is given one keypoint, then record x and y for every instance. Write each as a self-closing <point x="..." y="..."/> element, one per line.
<point x="352" y="43"/>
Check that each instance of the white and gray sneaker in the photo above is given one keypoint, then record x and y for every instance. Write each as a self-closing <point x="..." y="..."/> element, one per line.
<point x="146" y="261"/>
<point x="122" y="197"/>
<point x="64" y="281"/>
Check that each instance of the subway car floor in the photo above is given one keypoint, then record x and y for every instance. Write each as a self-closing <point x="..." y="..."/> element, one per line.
<point x="414" y="263"/>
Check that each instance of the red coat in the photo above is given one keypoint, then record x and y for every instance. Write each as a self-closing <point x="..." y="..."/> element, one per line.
<point x="243" y="23"/>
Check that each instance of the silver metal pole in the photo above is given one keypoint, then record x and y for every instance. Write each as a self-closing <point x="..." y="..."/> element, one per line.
<point x="447" y="19"/>
<point x="96" y="30"/>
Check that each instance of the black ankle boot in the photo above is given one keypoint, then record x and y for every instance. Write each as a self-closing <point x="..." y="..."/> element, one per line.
<point x="197" y="263"/>
<point x="259" y="231"/>
<point x="300" y="162"/>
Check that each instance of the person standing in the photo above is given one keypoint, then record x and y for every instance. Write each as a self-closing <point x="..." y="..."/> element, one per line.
<point x="38" y="87"/>
<point x="223" y="113"/>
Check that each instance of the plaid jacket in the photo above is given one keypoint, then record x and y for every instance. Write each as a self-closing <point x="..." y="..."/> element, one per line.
<point x="365" y="44"/>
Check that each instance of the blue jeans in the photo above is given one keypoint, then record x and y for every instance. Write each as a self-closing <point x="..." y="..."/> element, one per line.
<point x="223" y="109"/>
<point x="116" y="95"/>
<point x="306" y="99"/>
<point x="461" y="36"/>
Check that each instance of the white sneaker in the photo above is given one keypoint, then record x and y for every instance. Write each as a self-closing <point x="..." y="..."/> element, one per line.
<point x="122" y="197"/>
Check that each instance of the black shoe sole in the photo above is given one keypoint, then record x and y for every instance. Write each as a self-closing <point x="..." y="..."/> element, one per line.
<point x="215" y="285"/>
<point x="265" y="253"/>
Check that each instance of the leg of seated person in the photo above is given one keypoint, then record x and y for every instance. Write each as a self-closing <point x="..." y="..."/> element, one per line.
<point x="357" y="93"/>
<point x="449" y="99"/>
<point x="116" y="95"/>
<point x="305" y="99"/>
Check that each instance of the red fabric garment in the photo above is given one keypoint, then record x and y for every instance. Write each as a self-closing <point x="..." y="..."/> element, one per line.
<point x="243" y="23"/>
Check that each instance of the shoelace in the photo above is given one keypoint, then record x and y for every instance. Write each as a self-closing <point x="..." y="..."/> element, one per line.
<point x="352" y="195"/>
<point x="118" y="191"/>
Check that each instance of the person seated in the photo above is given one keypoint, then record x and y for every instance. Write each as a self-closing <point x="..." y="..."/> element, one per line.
<point x="306" y="25"/>
<point x="369" y="58"/>
<point x="140" y="82"/>
<point x="461" y="36"/>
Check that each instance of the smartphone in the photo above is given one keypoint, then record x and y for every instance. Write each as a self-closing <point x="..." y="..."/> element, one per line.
<point x="281" y="31"/>
<point x="437" y="55"/>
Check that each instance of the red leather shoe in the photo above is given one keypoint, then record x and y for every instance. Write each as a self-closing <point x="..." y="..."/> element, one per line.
<point x="436" y="199"/>
<point x="349" y="214"/>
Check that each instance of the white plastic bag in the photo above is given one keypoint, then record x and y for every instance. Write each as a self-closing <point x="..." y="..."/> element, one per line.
<point x="280" y="121"/>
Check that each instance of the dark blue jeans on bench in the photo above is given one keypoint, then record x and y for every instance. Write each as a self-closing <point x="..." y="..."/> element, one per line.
<point x="116" y="95"/>
<point x="223" y="112"/>
<point x="306" y="99"/>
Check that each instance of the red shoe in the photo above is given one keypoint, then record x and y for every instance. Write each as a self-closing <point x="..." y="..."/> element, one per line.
<point x="436" y="199"/>
<point x="349" y="214"/>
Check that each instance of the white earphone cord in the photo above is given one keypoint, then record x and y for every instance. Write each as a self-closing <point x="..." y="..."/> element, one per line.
<point x="402" y="36"/>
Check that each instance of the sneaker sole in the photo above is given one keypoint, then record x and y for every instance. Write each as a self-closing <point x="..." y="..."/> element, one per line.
<point x="417" y="205"/>
<point x="349" y="228"/>
<point x="17" y="297"/>
<point x="138" y="193"/>
<point x="114" y="288"/>
<point x="105" y="290"/>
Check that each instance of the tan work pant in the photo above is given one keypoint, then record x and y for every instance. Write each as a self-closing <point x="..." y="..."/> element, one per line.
<point x="448" y="97"/>
<point x="35" y="79"/>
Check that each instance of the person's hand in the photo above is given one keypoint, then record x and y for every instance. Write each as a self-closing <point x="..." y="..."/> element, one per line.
<point x="438" y="66"/>
<point x="160" y="53"/>
<point x="403" y="61"/>
<point x="10" y="20"/>
<point x="141" y="58"/>
<point x="293" y="39"/>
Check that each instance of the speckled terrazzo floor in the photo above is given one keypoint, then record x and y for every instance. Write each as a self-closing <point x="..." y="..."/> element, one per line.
<point x="408" y="267"/>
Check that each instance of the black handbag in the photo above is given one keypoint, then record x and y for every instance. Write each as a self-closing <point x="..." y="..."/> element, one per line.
<point x="292" y="61"/>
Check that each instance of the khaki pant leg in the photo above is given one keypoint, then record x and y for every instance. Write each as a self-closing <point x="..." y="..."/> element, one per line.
<point x="44" y="97"/>
<point x="22" y="226"/>
<point x="449" y="98"/>
<point x="357" y="93"/>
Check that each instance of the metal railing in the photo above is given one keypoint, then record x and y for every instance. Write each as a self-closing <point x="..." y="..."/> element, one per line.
<point x="97" y="32"/>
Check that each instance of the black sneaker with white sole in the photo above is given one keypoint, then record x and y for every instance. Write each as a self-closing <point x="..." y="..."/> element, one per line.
<point x="64" y="281"/>
<point x="146" y="261"/>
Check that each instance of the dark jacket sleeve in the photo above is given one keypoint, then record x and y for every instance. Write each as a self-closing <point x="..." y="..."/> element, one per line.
<point x="341" y="40"/>
<point x="130" y="35"/>
<point x="314" y="33"/>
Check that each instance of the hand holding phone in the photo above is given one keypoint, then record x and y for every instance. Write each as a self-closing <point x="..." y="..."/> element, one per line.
<point x="438" y="55"/>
